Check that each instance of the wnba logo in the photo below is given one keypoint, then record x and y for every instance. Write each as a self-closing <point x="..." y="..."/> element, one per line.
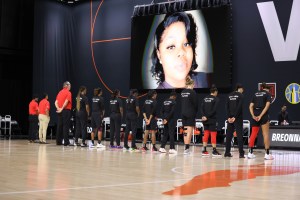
<point x="292" y="93"/>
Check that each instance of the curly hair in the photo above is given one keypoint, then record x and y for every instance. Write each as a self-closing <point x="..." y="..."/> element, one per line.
<point x="81" y="89"/>
<point x="191" y="29"/>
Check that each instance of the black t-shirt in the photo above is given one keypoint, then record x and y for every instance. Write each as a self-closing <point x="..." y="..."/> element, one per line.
<point x="115" y="104"/>
<point x="131" y="104"/>
<point x="83" y="102"/>
<point x="97" y="104"/>
<point x="283" y="116"/>
<point x="234" y="105"/>
<point x="189" y="103"/>
<point x="209" y="107"/>
<point x="167" y="110"/>
<point x="149" y="107"/>
<point x="260" y="99"/>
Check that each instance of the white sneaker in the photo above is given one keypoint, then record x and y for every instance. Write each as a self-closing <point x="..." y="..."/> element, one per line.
<point x="100" y="146"/>
<point x="251" y="155"/>
<point x="125" y="149"/>
<point x="162" y="150"/>
<point x="92" y="146"/>
<point x="269" y="157"/>
<point x="172" y="151"/>
<point x="186" y="151"/>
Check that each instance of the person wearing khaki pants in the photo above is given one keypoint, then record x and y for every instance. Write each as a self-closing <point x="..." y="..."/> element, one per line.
<point x="44" y="118"/>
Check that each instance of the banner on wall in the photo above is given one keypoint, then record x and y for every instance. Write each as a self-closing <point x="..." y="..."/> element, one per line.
<point x="292" y="93"/>
<point x="272" y="90"/>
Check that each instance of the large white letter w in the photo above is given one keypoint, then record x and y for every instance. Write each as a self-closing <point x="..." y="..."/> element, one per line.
<point x="282" y="49"/>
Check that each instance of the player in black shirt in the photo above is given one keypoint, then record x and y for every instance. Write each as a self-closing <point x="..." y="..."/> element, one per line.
<point x="167" y="113"/>
<point x="259" y="108"/>
<point x="209" y="118"/>
<point x="98" y="112"/>
<point x="82" y="113"/>
<point x="132" y="114"/>
<point x="234" y="108"/>
<point x="189" y="106"/>
<point x="116" y="114"/>
<point x="149" y="114"/>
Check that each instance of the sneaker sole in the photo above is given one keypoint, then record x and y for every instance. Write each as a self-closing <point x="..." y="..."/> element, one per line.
<point x="269" y="159"/>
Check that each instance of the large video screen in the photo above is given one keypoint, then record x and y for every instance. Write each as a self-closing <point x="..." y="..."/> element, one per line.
<point x="167" y="48"/>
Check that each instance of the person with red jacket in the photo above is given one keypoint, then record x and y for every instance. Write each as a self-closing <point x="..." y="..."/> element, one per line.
<point x="63" y="104"/>
<point x="33" y="119"/>
<point x="44" y="118"/>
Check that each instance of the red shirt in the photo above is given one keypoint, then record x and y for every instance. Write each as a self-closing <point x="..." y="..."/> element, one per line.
<point x="43" y="106"/>
<point x="62" y="96"/>
<point x="33" y="108"/>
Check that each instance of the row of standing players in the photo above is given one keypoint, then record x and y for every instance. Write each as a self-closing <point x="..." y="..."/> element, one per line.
<point x="259" y="107"/>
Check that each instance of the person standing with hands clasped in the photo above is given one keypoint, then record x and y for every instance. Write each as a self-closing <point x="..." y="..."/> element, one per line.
<point x="82" y="113"/>
<point x="63" y="104"/>
<point x="189" y="106"/>
<point x="167" y="113"/>
<point x="33" y="119"/>
<point x="44" y="118"/>
<point x="132" y="114"/>
<point x="209" y="119"/>
<point x="98" y="112"/>
<point x="116" y="115"/>
<point x="234" y="108"/>
<point x="259" y="108"/>
<point x="149" y="114"/>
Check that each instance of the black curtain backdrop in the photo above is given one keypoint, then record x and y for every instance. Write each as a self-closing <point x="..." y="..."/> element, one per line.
<point x="62" y="51"/>
<point x="16" y="43"/>
<point x="54" y="44"/>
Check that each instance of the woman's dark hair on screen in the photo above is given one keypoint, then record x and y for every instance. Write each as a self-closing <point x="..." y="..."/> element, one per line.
<point x="191" y="29"/>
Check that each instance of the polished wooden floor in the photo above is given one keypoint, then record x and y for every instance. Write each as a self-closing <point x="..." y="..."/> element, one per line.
<point x="47" y="171"/>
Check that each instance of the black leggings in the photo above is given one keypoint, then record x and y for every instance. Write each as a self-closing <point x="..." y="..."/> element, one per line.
<point x="169" y="133"/>
<point x="33" y="127"/>
<point x="238" y="126"/>
<point x="115" y="126"/>
<point x="131" y="124"/>
<point x="81" y="126"/>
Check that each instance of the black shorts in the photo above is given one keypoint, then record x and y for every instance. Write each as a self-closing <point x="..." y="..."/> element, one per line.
<point x="96" y="121"/>
<point x="210" y="127"/>
<point x="263" y="120"/>
<point x="153" y="125"/>
<point x="188" y="121"/>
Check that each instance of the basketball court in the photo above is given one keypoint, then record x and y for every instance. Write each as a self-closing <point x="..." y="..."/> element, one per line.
<point x="47" y="171"/>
